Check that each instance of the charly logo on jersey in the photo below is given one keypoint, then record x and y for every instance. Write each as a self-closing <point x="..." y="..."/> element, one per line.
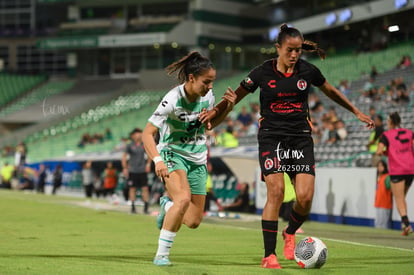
<point x="302" y="84"/>
<point x="248" y="82"/>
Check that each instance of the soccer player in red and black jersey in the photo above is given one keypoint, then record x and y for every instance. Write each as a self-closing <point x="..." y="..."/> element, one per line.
<point x="284" y="137"/>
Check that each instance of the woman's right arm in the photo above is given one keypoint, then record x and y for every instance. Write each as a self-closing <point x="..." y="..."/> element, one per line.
<point x="148" y="135"/>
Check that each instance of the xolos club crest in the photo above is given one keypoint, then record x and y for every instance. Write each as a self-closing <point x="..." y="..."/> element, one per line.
<point x="302" y="84"/>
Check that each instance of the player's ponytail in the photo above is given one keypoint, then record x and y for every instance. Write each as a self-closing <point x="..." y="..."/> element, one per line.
<point x="307" y="45"/>
<point x="193" y="63"/>
<point x="311" y="46"/>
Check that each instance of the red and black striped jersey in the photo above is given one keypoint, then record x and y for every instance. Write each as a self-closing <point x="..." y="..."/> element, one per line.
<point x="283" y="97"/>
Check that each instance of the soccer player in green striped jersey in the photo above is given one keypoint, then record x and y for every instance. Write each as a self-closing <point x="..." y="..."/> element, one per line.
<point x="181" y="155"/>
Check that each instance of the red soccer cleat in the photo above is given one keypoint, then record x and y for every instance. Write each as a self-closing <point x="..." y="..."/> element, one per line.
<point x="271" y="262"/>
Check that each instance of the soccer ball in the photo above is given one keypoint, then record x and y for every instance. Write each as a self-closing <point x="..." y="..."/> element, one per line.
<point x="311" y="252"/>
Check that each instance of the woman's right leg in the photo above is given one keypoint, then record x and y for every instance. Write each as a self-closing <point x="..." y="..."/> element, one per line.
<point x="270" y="218"/>
<point x="179" y="191"/>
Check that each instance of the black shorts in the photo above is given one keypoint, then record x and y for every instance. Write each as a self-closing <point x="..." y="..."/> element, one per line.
<point x="407" y="178"/>
<point x="137" y="180"/>
<point x="290" y="154"/>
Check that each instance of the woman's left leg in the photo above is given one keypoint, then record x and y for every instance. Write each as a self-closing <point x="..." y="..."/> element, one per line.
<point x="194" y="214"/>
<point x="304" y="188"/>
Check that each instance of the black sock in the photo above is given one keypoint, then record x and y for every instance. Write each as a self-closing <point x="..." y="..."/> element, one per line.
<point x="146" y="204"/>
<point x="269" y="230"/>
<point x="405" y="221"/>
<point x="295" y="221"/>
<point x="133" y="206"/>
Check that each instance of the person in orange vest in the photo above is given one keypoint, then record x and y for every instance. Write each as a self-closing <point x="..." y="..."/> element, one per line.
<point x="110" y="179"/>
<point x="383" y="197"/>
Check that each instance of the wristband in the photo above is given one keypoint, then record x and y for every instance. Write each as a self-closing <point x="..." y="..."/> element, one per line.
<point x="156" y="159"/>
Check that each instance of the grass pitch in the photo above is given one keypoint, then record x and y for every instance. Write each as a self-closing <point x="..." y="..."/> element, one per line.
<point x="56" y="235"/>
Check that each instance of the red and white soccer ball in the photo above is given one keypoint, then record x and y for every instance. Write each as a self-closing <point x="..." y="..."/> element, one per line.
<point x="311" y="252"/>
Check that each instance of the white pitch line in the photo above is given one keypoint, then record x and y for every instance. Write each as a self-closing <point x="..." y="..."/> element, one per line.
<point x="333" y="240"/>
<point x="369" y="245"/>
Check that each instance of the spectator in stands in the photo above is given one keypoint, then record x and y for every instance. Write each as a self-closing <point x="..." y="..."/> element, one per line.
<point x="228" y="138"/>
<point x="255" y="111"/>
<point x="242" y="202"/>
<point x="318" y="111"/>
<point x="374" y="73"/>
<point x="397" y="144"/>
<point x="369" y="84"/>
<point x="41" y="178"/>
<point x="6" y="175"/>
<point x="85" y="139"/>
<point x="57" y="178"/>
<point x="110" y="179"/>
<point x="405" y="62"/>
<point x="372" y="112"/>
<point x="88" y="179"/>
<point x="374" y="138"/>
<point x="331" y="114"/>
<point x="332" y="134"/>
<point x="244" y="117"/>
<point x="344" y="87"/>
<point x="285" y="127"/>
<point x="402" y="94"/>
<point x="383" y="197"/>
<point x="327" y="130"/>
<point x="340" y="129"/>
<point x="108" y="134"/>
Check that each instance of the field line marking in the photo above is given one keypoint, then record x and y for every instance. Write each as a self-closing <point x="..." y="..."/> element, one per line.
<point x="369" y="245"/>
<point x="333" y="240"/>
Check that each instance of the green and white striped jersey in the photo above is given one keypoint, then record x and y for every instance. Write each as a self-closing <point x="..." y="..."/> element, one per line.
<point x="180" y="130"/>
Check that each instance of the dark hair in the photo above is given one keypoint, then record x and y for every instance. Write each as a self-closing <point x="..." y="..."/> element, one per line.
<point x="193" y="63"/>
<point x="135" y="130"/>
<point x="379" y="117"/>
<point x="395" y="118"/>
<point x="385" y="166"/>
<point x="307" y="45"/>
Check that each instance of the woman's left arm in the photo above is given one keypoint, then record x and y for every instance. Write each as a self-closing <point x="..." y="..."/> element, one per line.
<point x="336" y="95"/>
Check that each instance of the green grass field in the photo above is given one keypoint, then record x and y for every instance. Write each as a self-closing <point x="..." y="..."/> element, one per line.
<point x="57" y="235"/>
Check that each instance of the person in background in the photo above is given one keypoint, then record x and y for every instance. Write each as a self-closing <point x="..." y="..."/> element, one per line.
<point x="20" y="154"/>
<point x="136" y="169"/>
<point x="57" y="178"/>
<point x="210" y="196"/>
<point x="242" y="202"/>
<point x="397" y="144"/>
<point x="88" y="178"/>
<point x="228" y="137"/>
<point x="285" y="83"/>
<point x="6" y="175"/>
<point x="28" y="178"/>
<point x="383" y="197"/>
<point x="341" y="131"/>
<point x="41" y="179"/>
<point x="374" y="138"/>
<point x="110" y="179"/>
